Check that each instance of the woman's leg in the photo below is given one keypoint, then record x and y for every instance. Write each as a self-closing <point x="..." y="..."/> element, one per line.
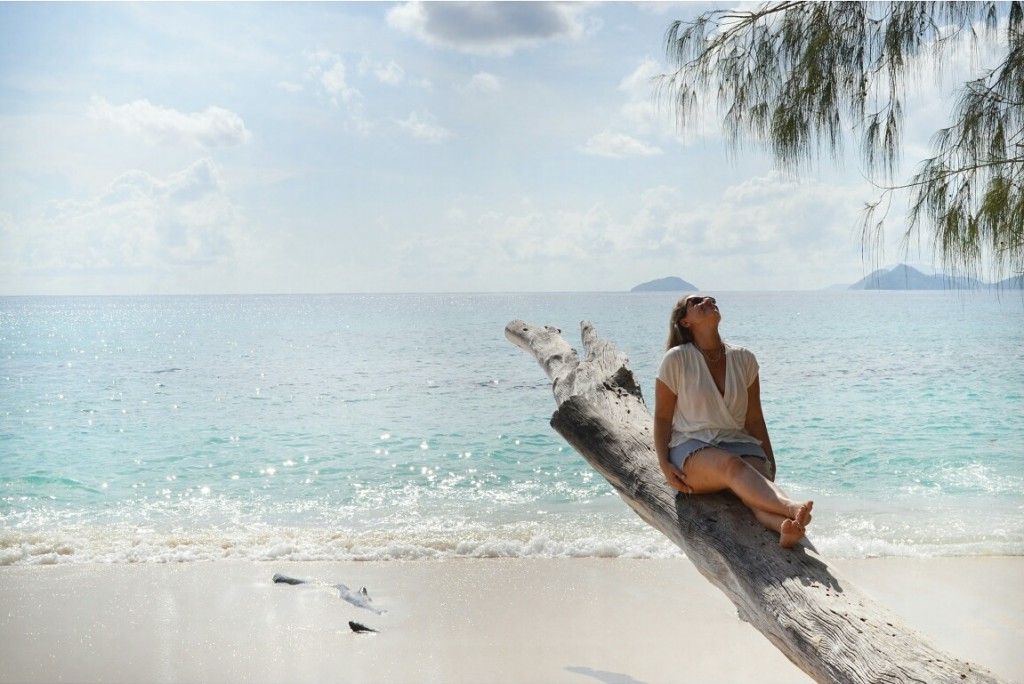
<point x="712" y="470"/>
<point x="790" y="532"/>
<point x="761" y="466"/>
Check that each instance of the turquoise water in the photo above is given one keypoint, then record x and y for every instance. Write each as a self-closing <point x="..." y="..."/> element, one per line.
<point x="152" y="429"/>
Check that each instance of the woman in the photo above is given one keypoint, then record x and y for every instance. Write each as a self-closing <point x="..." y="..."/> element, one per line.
<point x="709" y="431"/>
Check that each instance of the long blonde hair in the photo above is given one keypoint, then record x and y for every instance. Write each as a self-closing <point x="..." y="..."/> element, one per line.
<point x="677" y="334"/>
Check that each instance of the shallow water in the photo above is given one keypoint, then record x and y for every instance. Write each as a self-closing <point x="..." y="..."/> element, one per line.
<point x="405" y="426"/>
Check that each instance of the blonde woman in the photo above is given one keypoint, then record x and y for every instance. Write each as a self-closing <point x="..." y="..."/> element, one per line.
<point x="709" y="431"/>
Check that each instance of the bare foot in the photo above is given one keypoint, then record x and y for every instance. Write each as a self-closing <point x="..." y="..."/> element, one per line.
<point x="791" y="533"/>
<point x="803" y="516"/>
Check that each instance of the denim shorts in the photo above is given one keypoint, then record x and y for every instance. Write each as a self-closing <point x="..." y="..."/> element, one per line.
<point x="679" y="453"/>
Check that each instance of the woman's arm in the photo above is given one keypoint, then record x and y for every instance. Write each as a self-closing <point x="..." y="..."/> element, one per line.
<point x="664" y="408"/>
<point x="754" y="424"/>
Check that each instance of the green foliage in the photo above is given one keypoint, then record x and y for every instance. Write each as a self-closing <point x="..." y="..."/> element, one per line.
<point x="798" y="76"/>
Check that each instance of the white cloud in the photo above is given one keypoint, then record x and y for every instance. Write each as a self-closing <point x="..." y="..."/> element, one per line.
<point x="139" y="224"/>
<point x="663" y="7"/>
<point x="390" y="73"/>
<point x="485" y="83"/>
<point x="490" y="28"/>
<point x="760" y="231"/>
<point x="618" y="146"/>
<point x="424" y="127"/>
<point x="319" y="58"/>
<point x="213" y="127"/>
<point x="649" y="111"/>
<point x="328" y="71"/>
<point x="753" y="235"/>
<point x="334" y="82"/>
<point x="640" y="109"/>
<point x="290" y="87"/>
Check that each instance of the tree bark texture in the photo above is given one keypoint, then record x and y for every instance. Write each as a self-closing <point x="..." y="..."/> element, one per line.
<point x="816" y="617"/>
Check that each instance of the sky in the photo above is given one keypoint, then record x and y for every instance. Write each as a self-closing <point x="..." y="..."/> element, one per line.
<point x="204" y="148"/>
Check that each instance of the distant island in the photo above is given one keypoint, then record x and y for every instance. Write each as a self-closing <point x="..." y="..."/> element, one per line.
<point x="904" y="277"/>
<point x="670" y="284"/>
<point x="899" y="277"/>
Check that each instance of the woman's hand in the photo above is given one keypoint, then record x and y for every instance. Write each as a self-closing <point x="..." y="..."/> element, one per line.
<point x="675" y="478"/>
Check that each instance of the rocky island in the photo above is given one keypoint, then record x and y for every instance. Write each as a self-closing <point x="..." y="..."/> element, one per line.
<point x="670" y="284"/>
<point x="904" y="277"/>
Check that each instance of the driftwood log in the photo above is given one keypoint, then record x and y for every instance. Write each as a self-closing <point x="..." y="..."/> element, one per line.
<point x="816" y="617"/>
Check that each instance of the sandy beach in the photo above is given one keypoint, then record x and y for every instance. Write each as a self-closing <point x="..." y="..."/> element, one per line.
<point x="502" y="620"/>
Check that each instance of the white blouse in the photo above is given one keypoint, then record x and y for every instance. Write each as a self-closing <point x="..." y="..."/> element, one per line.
<point x="701" y="411"/>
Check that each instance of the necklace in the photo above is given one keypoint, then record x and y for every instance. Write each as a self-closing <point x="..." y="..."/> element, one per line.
<point x="709" y="357"/>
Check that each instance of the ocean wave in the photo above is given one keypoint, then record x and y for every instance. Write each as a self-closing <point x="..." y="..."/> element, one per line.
<point x="840" y="537"/>
<point x="111" y="545"/>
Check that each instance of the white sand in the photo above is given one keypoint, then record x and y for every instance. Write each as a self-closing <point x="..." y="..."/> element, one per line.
<point x="527" y="620"/>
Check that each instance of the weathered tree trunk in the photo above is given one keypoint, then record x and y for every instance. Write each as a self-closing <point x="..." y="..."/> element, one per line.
<point x="816" y="617"/>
